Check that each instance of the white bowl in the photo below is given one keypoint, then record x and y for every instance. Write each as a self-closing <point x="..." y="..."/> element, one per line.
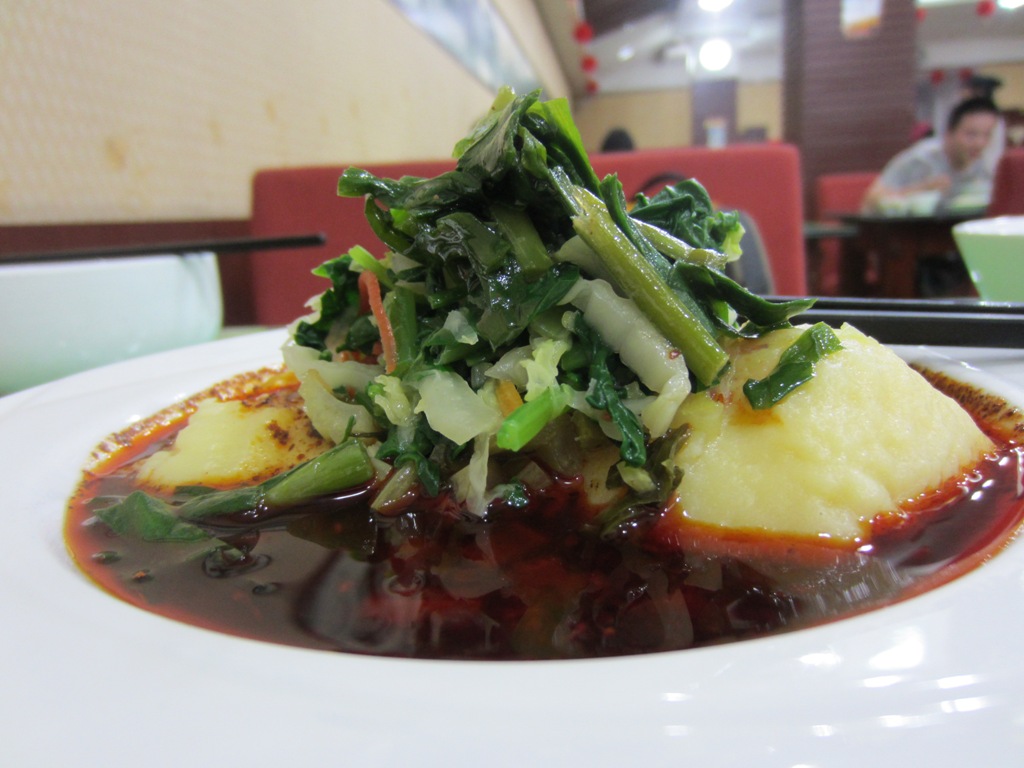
<point x="59" y="318"/>
<point x="993" y="250"/>
<point x="937" y="680"/>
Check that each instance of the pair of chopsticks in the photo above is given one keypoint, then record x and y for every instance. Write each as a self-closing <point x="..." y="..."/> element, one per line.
<point x="151" y="249"/>
<point x="935" y="322"/>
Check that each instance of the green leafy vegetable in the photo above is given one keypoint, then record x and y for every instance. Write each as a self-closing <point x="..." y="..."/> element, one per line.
<point x="484" y="264"/>
<point x="524" y="423"/>
<point x="140" y="515"/>
<point x="795" y="367"/>
<point x="685" y="211"/>
<point x="150" y="519"/>
<point x="645" y="284"/>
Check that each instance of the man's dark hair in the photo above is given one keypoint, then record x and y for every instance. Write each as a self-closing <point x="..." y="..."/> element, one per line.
<point x="971" y="106"/>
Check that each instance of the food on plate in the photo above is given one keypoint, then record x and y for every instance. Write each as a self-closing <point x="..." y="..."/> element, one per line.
<point x="542" y="422"/>
<point x="229" y="442"/>
<point x="848" y="448"/>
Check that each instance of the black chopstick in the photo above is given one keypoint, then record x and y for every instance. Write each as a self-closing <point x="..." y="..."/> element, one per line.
<point x="945" y="306"/>
<point x="149" y="249"/>
<point x="928" y="327"/>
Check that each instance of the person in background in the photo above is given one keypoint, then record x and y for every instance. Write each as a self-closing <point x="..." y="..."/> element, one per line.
<point x="985" y="85"/>
<point x="950" y="165"/>
<point x="617" y="140"/>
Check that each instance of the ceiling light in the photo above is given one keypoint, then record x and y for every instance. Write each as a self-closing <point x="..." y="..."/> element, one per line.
<point x="1010" y="5"/>
<point x="714" y="6"/>
<point x="715" y="54"/>
<point x="625" y="53"/>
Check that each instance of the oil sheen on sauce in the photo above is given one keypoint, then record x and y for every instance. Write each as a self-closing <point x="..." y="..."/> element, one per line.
<point x="529" y="582"/>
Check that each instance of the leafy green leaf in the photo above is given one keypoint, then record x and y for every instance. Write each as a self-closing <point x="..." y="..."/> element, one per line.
<point x="510" y="300"/>
<point x="150" y="519"/>
<point x="605" y="395"/>
<point x="339" y="303"/>
<point x="685" y="211"/>
<point x="710" y="285"/>
<point x="795" y="367"/>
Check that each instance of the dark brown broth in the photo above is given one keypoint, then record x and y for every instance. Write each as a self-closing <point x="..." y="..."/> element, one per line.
<point x="529" y="583"/>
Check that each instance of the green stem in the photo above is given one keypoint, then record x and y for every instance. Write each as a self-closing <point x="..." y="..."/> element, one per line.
<point x="401" y="310"/>
<point x="527" y="246"/>
<point x="344" y="466"/>
<point x="367" y="260"/>
<point x="641" y="282"/>
<point x="526" y="421"/>
<point x="678" y="250"/>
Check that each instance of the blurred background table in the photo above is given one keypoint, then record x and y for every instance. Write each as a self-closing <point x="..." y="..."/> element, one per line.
<point x="900" y="242"/>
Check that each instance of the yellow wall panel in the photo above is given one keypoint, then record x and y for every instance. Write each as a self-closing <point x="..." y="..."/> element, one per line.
<point x="653" y="118"/>
<point x="116" y="110"/>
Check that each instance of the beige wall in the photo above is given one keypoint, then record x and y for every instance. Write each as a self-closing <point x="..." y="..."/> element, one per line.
<point x="116" y="110"/>
<point x="664" y="118"/>
<point x="759" y="105"/>
<point x="1011" y="94"/>
<point x="653" y="118"/>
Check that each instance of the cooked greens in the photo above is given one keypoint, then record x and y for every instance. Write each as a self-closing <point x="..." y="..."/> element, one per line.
<point x="146" y="517"/>
<point x="517" y="305"/>
<point x="519" y="291"/>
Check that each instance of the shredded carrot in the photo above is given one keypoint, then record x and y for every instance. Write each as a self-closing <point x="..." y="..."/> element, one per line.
<point x="369" y="286"/>
<point x="508" y="397"/>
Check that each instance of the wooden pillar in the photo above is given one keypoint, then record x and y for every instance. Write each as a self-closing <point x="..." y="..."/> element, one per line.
<point x="848" y="102"/>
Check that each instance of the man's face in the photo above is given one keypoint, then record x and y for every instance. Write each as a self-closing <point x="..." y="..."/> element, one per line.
<point x="966" y="142"/>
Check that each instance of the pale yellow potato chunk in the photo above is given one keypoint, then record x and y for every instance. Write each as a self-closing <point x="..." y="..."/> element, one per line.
<point x="232" y="442"/>
<point x="865" y="435"/>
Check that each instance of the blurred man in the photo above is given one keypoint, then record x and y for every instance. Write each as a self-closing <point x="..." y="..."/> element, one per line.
<point x="950" y="165"/>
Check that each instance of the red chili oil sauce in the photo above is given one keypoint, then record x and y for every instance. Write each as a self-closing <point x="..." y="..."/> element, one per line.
<point x="532" y="582"/>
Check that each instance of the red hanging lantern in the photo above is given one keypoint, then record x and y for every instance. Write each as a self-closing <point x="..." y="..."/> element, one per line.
<point x="921" y="13"/>
<point x="592" y="86"/>
<point x="937" y="76"/>
<point x="588" y="63"/>
<point x="583" y="32"/>
<point x="966" y="74"/>
<point x="985" y="8"/>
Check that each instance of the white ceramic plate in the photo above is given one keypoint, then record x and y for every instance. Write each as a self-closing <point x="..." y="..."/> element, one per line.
<point x="937" y="680"/>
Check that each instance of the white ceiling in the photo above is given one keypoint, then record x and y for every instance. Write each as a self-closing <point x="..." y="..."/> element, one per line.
<point x="950" y="35"/>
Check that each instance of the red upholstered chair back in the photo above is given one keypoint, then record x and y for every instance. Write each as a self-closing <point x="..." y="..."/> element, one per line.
<point x="291" y="201"/>
<point x="835" y="194"/>
<point x="763" y="180"/>
<point x="1008" y="189"/>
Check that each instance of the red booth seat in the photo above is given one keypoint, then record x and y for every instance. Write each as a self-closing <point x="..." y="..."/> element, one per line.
<point x="835" y="194"/>
<point x="763" y="180"/>
<point x="838" y="193"/>
<point x="291" y="201"/>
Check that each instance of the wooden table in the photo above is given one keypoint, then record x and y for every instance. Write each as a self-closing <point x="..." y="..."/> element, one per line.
<point x="900" y="242"/>
<point x="816" y="235"/>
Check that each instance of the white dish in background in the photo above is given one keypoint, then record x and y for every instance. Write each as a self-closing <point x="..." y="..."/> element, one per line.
<point x="63" y="317"/>
<point x="936" y="680"/>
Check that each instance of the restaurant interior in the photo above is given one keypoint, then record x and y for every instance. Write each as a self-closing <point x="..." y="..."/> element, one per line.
<point x="128" y="125"/>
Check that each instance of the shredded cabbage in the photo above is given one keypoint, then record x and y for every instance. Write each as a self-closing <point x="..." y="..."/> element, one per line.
<point x="453" y="408"/>
<point x="640" y="346"/>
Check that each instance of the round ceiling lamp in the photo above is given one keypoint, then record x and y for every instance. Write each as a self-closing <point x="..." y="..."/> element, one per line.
<point x="715" y="54"/>
<point x="714" y="6"/>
